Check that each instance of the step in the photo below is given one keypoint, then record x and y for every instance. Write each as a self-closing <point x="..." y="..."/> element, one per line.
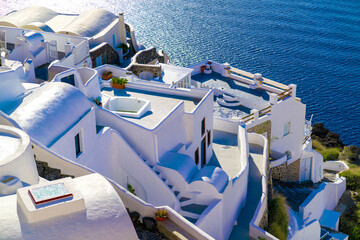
<point x="182" y="199"/>
<point x="170" y="186"/>
<point x="176" y="193"/>
<point x="194" y="208"/>
<point x="187" y="202"/>
<point x="158" y="173"/>
<point x="192" y="220"/>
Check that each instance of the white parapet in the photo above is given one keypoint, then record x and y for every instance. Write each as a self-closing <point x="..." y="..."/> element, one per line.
<point x="17" y="157"/>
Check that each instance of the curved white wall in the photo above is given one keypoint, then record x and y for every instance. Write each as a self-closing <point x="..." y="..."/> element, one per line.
<point x="17" y="157"/>
<point x="10" y="83"/>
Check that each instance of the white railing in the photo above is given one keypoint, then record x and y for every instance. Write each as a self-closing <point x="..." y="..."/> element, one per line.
<point x="81" y="52"/>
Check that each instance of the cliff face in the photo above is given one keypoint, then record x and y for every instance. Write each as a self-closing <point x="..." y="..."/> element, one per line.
<point x="326" y="137"/>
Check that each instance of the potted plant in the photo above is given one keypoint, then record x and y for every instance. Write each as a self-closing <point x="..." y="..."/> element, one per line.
<point x="131" y="189"/>
<point x="107" y="75"/>
<point x="118" y="82"/>
<point x="161" y="215"/>
<point x="98" y="101"/>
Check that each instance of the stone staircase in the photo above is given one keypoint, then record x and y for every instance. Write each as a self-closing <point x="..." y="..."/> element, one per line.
<point x="49" y="173"/>
<point x="294" y="196"/>
<point x="189" y="209"/>
<point x="227" y="101"/>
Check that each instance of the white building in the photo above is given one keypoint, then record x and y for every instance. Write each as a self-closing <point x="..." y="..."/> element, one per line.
<point x="105" y="33"/>
<point x="192" y="139"/>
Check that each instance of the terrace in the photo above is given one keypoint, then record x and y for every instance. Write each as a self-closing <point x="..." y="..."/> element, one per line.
<point x="239" y="95"/>
<point x="162" y="104"/>
<point x="247" y="98"/>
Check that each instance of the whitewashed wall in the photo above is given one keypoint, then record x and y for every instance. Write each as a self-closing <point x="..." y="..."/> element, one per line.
<point x="130" y="201"/>
<point x="325" y="197"/>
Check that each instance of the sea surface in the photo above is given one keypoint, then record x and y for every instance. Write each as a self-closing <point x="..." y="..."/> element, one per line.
<point x="312" y="43"/>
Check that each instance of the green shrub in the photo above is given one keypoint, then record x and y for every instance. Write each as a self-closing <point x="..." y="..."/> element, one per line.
<point x="352" y="178"/>
<point x="350" y="222"/>
<point x="278" y="218"/>
<point x="350" y="153"/>
<point x="331" y="153"/>
<point x="317" y="145"/>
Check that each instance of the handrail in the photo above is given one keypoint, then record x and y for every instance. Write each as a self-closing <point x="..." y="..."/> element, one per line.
<point x="262" y="112"/>
<point x="265" y="80"/>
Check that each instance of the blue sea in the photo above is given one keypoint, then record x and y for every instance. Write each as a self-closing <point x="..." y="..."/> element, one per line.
<point x="312" y="43"/>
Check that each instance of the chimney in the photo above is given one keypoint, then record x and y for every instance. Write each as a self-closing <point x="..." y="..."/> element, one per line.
<point x="122" y="31"/>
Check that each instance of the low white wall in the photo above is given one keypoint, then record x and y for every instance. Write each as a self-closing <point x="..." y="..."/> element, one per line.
<point x="19" y="162"/>
<point x="226" y="125"/>
<point x="145" y="146"/>
<point x="130" y="201"/>
<point x="325" y="197"/>
<point x="278" y="162"/>
<point x="119" y="161"/>
<point x="234" y="197"/>
<point x="254" y="230"/>
<point x="209" y="220"/>
<point x="338" y="166"/>
<point x="310" y="231"/>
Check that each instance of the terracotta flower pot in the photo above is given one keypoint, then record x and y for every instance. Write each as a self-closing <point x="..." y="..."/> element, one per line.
<point x="160" y="218"/>
<point x="118" y="86"/>
<point x="107" y="77"/>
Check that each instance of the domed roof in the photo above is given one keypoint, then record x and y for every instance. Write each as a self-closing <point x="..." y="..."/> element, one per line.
<point x="89" y="23"/>
<point x="38" y="26"/>
<point x="49" y="111"/>
<point x="27" y="15"/>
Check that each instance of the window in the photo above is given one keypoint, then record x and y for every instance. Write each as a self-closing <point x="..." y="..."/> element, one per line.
<point x="77" y="145"/>
<point x="197" y="156"/>
<point x="203" y="127"/>
<point x="286" y="129"/>
<point x="69" y="79"/>
<point x="114" y="42"/>
<point x="209" y="138"/>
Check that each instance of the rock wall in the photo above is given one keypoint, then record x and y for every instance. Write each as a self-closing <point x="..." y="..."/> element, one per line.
<point x="109" y="55"/>
<point x="154" y="69"/>
<point x="149" y="55"/>
<point x="287" y="173"/>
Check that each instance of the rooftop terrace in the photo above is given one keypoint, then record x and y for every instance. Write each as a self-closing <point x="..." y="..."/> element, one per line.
<point x="161" y="104"/>
<point x="249" y="98"/>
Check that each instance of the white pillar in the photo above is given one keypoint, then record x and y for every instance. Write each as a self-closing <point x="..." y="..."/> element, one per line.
<point x="69" y="47"/>
<point x="273" y="98"/>
<point x="226" y="70"/>
<point x="122" y="31"/>
<point x="293" y="90"/>
<point x="256" y="114"/>
<point x="3" y="57"/>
